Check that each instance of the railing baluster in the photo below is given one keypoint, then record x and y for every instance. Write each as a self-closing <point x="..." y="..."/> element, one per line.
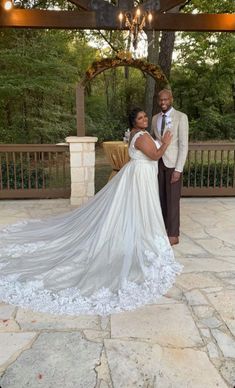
<point x="21" y="170"/>
<point x="189" y="167"/>
<point x="202" y="169"/>
<point x="57" y="169"/>
<point x="36" y="170"/>
<point x="43" y="177"/>
<point x="221" y="168"/>
<point x="29" y="170"/>
<point x="47" y="178"/>
<point x="195" y="166"/>
<point x="7" y="169"/>
<point x="208" y="168"/>
<point x="1" y="178"/>
<point x="215" y="167"/>
<point x="14" y="169"/>
<point x="50" y="164"/>
<point x="227" y="173"/>
<point x="233" y="183"/>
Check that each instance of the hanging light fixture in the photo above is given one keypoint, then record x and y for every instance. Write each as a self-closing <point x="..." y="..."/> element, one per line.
<point x="135" y="21"/>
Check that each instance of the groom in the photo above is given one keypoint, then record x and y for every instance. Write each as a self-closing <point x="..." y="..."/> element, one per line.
<point x="172" y="162"/>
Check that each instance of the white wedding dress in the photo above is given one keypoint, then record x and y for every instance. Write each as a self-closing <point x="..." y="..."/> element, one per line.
<point x="110" y="255"/>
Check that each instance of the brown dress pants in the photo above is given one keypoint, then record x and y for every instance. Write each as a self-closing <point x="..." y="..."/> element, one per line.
<point x="170" y="199"/>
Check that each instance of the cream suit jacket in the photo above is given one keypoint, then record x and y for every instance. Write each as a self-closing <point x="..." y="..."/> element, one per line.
<point x="176" y="154"/>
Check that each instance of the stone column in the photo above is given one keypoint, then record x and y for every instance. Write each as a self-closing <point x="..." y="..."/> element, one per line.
<point x="82" y="168"/>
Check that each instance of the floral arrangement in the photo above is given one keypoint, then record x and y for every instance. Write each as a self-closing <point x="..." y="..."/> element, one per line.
<point x="168" y="122"/>
<point x="124" y="58"/>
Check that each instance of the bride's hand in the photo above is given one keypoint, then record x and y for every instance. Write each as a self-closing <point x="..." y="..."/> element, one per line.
<point x="166" y="139"/>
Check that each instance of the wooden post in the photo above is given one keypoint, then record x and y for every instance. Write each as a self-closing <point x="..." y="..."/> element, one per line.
<point x="80" y="108"/>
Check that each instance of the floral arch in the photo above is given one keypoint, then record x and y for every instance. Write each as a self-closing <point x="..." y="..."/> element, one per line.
<point x="121" y="59"/>
<point x="125" y="59"/>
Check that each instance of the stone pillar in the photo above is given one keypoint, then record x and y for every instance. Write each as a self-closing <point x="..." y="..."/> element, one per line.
<point x="82" y="168"/>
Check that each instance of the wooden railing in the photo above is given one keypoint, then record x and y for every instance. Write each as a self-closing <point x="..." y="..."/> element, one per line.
<point x="34" y="171"/>
<point x="209" y="170"/>
<point x="43" y="170"/>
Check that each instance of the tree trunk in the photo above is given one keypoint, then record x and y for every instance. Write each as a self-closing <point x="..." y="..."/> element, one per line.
<point x="153" y="54"/>
<point x="166" y="51"/>
<point x="165" y="59"/>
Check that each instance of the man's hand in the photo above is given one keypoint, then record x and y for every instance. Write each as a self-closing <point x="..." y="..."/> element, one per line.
<point x="167" y="137"/>
<point x="175" y="176"/>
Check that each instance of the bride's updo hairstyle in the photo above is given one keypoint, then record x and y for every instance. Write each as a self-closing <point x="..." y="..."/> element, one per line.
<point x="133" y="115"/>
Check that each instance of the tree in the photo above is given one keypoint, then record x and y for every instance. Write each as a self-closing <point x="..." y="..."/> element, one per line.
<point x="202" y="77"/>
<point x="39" y="71"/>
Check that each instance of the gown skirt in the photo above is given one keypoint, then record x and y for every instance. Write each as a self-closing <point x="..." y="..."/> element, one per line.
<point x="110" y="255"/>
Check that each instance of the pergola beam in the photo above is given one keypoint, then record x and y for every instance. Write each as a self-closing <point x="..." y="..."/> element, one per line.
<point x="166" y="5"/>
<point x="19" y="18"/>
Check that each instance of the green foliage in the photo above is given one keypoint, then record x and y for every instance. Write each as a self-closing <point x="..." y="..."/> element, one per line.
<point x="197" y="175"/>
<point x="215" y="6"/>
<point x="14" y="174"/>
<point x="213" y="125"/>
<point x="203" y="89"/>
<point x="203" y="76"/>
<point x="111" y="97"/>
<point x="39" y="72"/>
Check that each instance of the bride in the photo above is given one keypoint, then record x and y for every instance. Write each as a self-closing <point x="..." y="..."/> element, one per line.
<point x="110" y="255"/>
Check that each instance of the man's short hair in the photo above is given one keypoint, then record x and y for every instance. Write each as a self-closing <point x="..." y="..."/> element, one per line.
<point x="168" y="91"/>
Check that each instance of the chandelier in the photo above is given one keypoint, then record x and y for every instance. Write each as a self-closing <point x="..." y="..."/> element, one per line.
<point x="135" y="21"/>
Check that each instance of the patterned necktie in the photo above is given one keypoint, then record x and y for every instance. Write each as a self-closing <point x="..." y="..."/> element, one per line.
<point x="163" y="123"/>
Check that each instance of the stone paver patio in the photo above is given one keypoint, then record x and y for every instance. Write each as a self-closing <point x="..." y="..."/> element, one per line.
<point x="185" y="340"/>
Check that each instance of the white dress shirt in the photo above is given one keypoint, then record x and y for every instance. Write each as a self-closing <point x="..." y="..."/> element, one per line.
<point x="159" y="120"/>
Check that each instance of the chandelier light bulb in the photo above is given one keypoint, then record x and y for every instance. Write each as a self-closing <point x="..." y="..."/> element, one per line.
<point x="150" y="18"/>
<point x="138" y="12"/>
<point x="120" y="17"/>
<point x="8" y="5"/>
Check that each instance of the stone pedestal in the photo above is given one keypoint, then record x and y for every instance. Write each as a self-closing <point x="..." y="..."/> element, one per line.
<point x="82" y="167"/>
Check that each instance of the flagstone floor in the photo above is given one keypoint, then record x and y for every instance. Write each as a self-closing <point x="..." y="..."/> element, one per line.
<point x="187" y="339"/>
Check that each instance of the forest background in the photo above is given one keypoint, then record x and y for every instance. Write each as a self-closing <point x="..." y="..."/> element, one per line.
<point x="41" y="68"/>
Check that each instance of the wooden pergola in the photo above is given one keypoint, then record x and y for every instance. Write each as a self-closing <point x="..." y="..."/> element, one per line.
<point x="101" y="15"/>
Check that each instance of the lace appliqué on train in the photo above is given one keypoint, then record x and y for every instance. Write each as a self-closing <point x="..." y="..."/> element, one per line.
<point x="17" y="250"/>
<point x="159" y="270"/>
<point x="18" y="226"/>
